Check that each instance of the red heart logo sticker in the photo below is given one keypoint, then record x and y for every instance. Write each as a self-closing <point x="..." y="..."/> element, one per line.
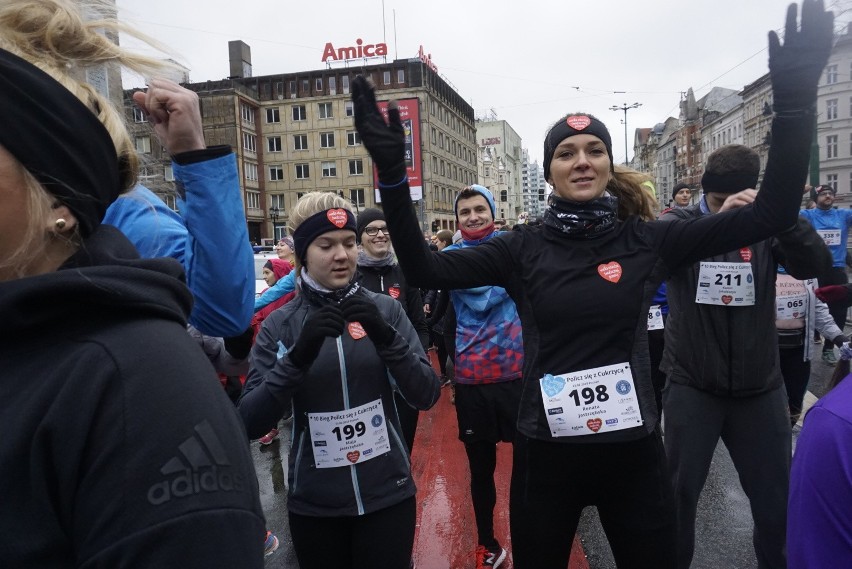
<point x="394" y="291"/>
<point x="356" y="330"/>
<point x="594" y="424"/>
<point x="578" y="122"/>
<point x="337" y="217"/>
<point x="727" y="298"/>
<point x="610" y="271"/>
<point x="353" y="456"/>
<point x="745" y="254"/>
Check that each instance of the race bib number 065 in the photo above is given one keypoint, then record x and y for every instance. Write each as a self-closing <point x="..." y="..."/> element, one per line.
<point x="591" y="401"/>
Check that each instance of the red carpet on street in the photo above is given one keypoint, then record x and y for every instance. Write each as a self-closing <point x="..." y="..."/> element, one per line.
<point x="446" y="530"/>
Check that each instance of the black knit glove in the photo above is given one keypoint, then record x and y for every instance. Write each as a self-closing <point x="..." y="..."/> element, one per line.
<point x="840" y="340"/>
<point x="239" y="347"/>
<point x="327" y="322"/>
<point x="359" y="308"/>
<point x="384" y="141"/>
<point x="796" y="66"/>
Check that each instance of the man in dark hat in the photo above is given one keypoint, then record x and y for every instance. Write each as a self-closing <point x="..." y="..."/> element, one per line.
<point x="721" y="357"/>
<point x="681" y="195"/>
<point x="832" y="224"/>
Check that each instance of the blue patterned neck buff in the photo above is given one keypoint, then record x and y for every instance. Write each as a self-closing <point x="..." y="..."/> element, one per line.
<point x="581" y="220"/>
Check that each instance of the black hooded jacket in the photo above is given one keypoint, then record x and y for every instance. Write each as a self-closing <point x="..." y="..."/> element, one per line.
<point x="120" y="448"/>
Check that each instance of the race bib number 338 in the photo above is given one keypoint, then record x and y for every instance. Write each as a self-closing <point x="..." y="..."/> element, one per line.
<point x="591" y="401"/>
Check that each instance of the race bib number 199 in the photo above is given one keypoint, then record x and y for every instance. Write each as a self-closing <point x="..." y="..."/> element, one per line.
<point x="591" y="401"/>
<point x="348" y="437"/>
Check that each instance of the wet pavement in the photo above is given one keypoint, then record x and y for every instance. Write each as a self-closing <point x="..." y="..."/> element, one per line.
<point x="446" y="533"/>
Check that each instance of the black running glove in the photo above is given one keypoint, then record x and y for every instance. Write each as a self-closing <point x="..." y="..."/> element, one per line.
<point x="327" y="322"/>
<point x="795" y="67"/>
<point x="840" y="340"/>
<point x="239" y="347"/>
<point x="359" y="308"/>
<point x="384" y="141"/>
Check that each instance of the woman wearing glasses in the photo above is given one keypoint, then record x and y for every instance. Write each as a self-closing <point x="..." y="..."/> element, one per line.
<point x="379" y="272"/>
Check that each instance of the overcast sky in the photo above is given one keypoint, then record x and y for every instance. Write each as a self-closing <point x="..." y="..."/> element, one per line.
<point x="531" y="62"/>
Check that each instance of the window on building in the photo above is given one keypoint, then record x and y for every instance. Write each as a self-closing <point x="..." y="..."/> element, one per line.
<point x="353" y="138"/>
<point x="273" y="143"/>
<point x="299" y="195"/>
<point x="356" y="167"/>
<point x="434" y="137"/>
<point x="326" y="140"/>
<point x="169" y="173"/>
<point x="249" y="142"/>
<point x="831" y="146"/>
<point x="277" y="200"/>
<point x="246" y="113"/>
<point x="831" y="109"/>
<point x="143" y="144"/>
<point x="386" y="78"/>
<point x="252" y="199"/>
<point x="344" y="84"/>
<point x="487" y="172"/>
<point x="276" y="172"/>
<point x="441" y="140"/>
<point x="831" y="74"/>
<point x="170" y="201"/>
<point x="504" y="195"/>
<point x="349" y="108"/>
<point x="299" y="113"/>
<point x="325" y="111"/>
<point x="329" y="169"/>
<point x="303" y="171"/>
<point x="434" y="164"/>
<point x="138" y="115"/>
<point x="443" y="168"/>
<point x="356" y="196"/>
<point x="251" y="171"/>
<point x="400" y="76"/>
<point x="300" y="142"/>
<point x="291" y="85"/>
<point x="273" y="115"/>
<point x="831" y="180"/>
<point x="318" y="84"/>
<point x="306" y="86"/>
<point x="332" y="86"/>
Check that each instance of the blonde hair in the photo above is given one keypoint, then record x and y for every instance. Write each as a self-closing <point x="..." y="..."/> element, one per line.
<point x="54" y="36"/>
<point x="633" y="198"/>
<point x="311" y="204"/>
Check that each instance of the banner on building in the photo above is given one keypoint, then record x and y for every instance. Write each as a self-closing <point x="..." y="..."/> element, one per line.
<point x="409" y="114"/>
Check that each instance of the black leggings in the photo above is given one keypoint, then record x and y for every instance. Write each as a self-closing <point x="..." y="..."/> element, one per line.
<point x="482" y="457"/>
<point x="837" y="309"/>
<point x="796" y="373"/>
<point x="380" y="540"/>
<point x="628" y="482"/>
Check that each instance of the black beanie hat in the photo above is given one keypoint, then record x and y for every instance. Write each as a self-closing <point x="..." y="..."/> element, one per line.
<point x="731" y="169"/>
<point x="678" y="188"/>
<point x="367" y="217"/>
<point x="571" y="125"/>
<point x="815" y="192"/>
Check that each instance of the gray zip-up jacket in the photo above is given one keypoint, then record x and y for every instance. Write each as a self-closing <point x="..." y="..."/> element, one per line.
<point x="733" y="350"/>
<point x="348" y="373"/>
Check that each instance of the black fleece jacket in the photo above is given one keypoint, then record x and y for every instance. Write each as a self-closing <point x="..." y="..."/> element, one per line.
<point x="120" y="449"/>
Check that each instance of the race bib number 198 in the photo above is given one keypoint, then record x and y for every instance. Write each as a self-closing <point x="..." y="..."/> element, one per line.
<point x="591" y="401"/>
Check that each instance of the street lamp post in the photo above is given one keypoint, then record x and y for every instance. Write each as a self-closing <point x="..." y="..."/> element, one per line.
<point x="274" y="213"/>
<point x="625" y="107"/>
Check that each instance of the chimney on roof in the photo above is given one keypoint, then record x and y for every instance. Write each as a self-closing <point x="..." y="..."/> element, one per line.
<point x="239" y="55"/>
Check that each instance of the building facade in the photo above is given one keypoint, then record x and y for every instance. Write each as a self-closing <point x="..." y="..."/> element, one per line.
<point x="499" y="143"/>
<point x="294" y="133"/>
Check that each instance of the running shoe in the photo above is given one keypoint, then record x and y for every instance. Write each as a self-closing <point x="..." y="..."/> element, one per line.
<point x="269" y="437"/>
<point x="489" y="556"/>
<point x="270" y="545"/>
<point x="829" y="358"/>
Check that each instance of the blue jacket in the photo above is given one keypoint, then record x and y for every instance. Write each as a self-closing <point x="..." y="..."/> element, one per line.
<point x="832" y="219"/>
<point x="489" y="344"/>
<point x="285" y="285"/>
<point x="209" y="238"/>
